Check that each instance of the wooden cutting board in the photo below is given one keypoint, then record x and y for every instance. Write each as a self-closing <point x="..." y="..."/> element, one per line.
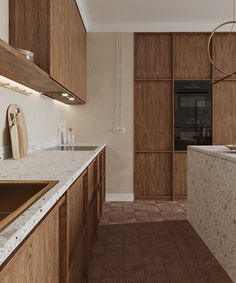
<point x="18" y="131"/>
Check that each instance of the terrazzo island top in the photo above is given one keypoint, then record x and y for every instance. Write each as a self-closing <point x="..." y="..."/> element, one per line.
<point x="63" y="166"/>
<point x="218" y="151"/>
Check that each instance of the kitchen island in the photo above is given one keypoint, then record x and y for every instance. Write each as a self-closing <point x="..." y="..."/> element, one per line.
<point x="212" y="201"/>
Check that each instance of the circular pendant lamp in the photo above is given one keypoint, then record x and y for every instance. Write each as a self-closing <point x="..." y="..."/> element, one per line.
<point x="232" y="22"/>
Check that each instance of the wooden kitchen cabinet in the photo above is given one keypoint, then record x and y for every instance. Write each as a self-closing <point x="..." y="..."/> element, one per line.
<point x="54" y="31"/>
<point x="37" y="260"/>
<point x="57" y="249"/>
<point x="92" y="205"/>
<point x="77" y="213"/>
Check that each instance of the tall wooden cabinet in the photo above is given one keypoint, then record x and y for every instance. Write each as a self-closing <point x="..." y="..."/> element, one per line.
<point x="160" y="172"/>
<point x="54" y="31"/>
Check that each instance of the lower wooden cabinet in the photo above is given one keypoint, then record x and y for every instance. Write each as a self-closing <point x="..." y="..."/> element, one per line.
<point x="37" y="260"/>
<point x="77" y="203"/>
<point x="57" y="249"/>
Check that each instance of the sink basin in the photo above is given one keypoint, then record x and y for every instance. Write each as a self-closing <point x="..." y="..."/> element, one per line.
<point x="17" y="196"/>
<point x="73" y="148"/>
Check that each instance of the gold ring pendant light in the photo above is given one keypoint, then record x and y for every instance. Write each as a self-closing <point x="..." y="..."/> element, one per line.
<point x="232" y="22"/>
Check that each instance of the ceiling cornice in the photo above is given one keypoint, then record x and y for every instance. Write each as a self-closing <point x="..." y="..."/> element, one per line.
<point x="84" y="13"/>
<point x="155" y="27"/>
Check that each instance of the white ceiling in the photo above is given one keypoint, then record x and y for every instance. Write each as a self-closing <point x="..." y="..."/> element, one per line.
<point x="154" y="15"/>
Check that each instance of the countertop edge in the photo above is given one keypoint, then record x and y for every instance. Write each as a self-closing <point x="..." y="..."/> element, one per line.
<point x="222" y="154"/>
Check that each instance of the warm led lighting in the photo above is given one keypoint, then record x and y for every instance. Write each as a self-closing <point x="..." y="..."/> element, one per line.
<point x="71" y="98"/>
<point x="65" y="94"/>
<point x="12" y="85"/>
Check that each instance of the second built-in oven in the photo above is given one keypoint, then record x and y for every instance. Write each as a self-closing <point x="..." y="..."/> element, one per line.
<point x="193" y="111"/>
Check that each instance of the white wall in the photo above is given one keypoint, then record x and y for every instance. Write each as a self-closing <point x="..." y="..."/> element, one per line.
<point x="43" y="115"/>
<point x="109" y="72"/>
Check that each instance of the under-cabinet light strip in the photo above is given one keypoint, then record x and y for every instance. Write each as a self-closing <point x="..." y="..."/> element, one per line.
<point x="12" y="85"/>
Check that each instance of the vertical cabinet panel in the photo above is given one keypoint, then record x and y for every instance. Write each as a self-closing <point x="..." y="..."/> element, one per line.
<point x="25" y="16"/>
<point x="76" y="51"/>
<point x="224" y="113"/>
<point x="153" y="56"/>
<point x="77" y="200"/>
<point x="153" y="174"/>
<point x="59" y="41"/>
<point x="224" y="53"/>
<point x="153" y="116"/>
<point x="37" y="260"/>
<point x="191" y="57"/>
<point x="180" y="174"/>
<point x="45" y="250"/>
<point x="12" y="273"/>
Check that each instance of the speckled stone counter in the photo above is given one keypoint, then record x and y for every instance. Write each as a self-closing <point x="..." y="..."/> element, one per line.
<point x="212" y="201"/>
<point x="64" y="166"/>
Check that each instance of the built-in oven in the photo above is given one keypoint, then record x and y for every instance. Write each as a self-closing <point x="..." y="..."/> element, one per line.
<point x="193" y="113"/>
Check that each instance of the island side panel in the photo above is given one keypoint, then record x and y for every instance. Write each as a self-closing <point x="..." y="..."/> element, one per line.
<point x="212" y="205"/>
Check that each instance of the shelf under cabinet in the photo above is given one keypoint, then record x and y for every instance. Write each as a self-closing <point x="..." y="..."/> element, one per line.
<point x="15" y="67"/>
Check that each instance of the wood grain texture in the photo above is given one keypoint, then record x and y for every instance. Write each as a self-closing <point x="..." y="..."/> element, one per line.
<point x="54" y="31"/>
<point x="63" y="245"/>
<point x="29" y="29"/>
<point x="190" y="56"/>
<point x="91" y="184"/>
<point x="153" y="174"/>
<point x="37" y="260"/>
<point x="59" y="41"/>
<point x="180" y="174"/>
<point x="77" y="201"/>
<point x="153" y="56"/>
<point x="75" y="216"/>
<point x="153" y="116"/>
<point x="68" y="47"/>
<point x="224" y="53"/>
<point x="224" y="113"/>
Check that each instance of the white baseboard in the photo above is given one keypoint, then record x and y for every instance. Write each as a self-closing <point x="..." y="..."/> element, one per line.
<point x="119" y="197"/>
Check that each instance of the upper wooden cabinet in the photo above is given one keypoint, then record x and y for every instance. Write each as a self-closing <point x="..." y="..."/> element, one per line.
<point x="153" y="56"/>
<point x="53" y="30"/>
<point x="191" y="57"/>
<point x="224" y="54"/>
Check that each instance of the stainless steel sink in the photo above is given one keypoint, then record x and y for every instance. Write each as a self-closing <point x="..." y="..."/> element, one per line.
<point x="73" y="148"/>
<point x="17" y="196"/>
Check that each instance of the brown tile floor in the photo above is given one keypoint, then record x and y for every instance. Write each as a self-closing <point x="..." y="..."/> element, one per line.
<point x="150" y="249"/>
<point x="143" y="211"/>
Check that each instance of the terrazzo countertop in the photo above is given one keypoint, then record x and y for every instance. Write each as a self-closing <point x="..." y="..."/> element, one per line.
<point x="63" y="166"/>
<point x="212" y="201"/>
<point x="218" y="151"/>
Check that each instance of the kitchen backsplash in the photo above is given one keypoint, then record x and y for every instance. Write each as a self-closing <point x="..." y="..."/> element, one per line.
<point x="5" y="151"/>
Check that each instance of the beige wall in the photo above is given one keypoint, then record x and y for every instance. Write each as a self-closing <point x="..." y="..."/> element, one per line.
<point x="43" y="115"/>
<point x="109" y="73"/>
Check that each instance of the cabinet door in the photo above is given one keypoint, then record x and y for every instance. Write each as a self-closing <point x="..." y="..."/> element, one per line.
<point x="37" y="260"/>
<point x="45" y="250"/>
<point x="153" y="56"/>
<point x="59" y="42"/>
<point x="153" y="175"/>
<point x="68" y="47"/>
<point x="77" y="202"/>
<point x="153" y="116"/>
<point x="190" y="56"/>
<point x="91" y="184"/>
<point x="224" y="114"/>
<point x="77" y="52"/>
<point x="18" y="269"/>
